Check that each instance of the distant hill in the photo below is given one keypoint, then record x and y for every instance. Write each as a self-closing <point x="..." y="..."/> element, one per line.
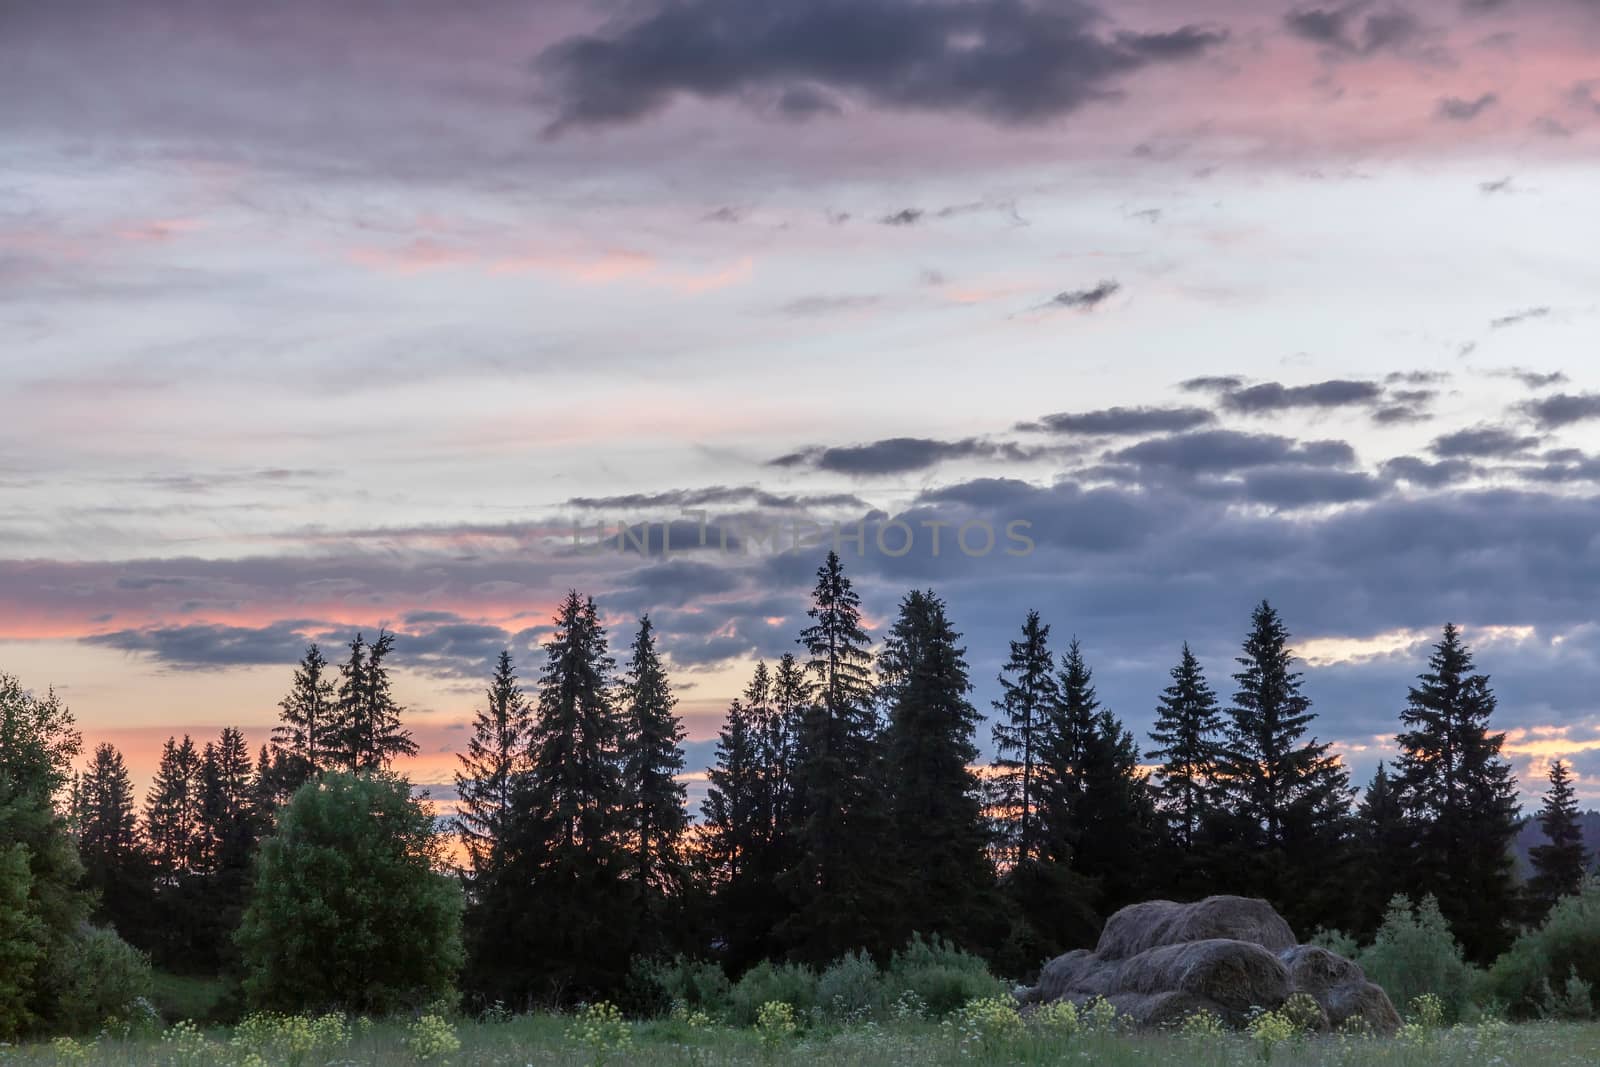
<point x="1531" y="836"/>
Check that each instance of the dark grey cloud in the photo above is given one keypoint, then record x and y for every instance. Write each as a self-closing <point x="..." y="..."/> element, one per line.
<point x="904" y="217"/>
<point x="1302" y="487"/>
<point x="1215" y="383"/>
<point x="1535" y="379"/>
<point x="1122" y="422"/>
<point x="1085" y="299"/>
<point x="903" y="455"/>
<point x="1457" y="109"/>
<point x="1398" y="414"/>
<point x="1483" y="442"/>
<point x="1354" y="29"/>
<point x="1223" y="451"/>
<point x="1430" y="475"/>
<point x="1415" y="377"/>
<point x="1274" y="396"/>
<point x="1518" y="317"/>
<point x="1563" y="409"/>
<point x="998" y="59"/>
<point x="202" y="646"/>
<point x="716" y="495"/>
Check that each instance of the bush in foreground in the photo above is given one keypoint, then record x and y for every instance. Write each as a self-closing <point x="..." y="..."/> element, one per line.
<point x="1414" y="954"/>
<point x="348" y="912"/>
<point x="1551" y="971"/>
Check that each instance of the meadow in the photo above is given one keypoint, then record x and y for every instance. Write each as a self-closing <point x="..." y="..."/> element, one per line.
<point x="980" y="1034"/>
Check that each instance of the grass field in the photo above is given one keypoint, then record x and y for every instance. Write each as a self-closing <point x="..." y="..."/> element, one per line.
<point x="526" y="1041"/>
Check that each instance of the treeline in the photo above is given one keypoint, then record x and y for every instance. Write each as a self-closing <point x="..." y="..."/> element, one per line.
<point x="846" y="809"/>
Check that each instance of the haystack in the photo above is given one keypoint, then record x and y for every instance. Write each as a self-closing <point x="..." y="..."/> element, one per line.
<point x="1161" y="961"/>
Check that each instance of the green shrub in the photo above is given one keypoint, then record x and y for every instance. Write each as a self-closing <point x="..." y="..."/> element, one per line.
<point x="789" y="983"/>
<point x="1335" y="941"/>
<point x="942" y="976"/>
<point x="1415" y="954"/>
<point x="1542" y="960"/>
<point x="97" y="976"/>
<point x="348" y="908"/>
<point x="851" y="989"/>
<point x="656" y="987"/>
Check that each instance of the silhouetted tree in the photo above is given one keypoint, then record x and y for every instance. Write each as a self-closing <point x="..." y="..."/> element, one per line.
<point x="1560" y="864"/>
<point x="495" y="759"/>
<point x="172" y="810"/>
<point x="652" y="759"/>
<point x="842" y="898"/>
<point x="1095" y="810"/>
<point x="1287" y="799"/>
<point x="116" y="866"/>
<point x="369" y="734"/>
<point x="308" y="728"/>
<point x="943" y="879"/>
<point x="1188" y="731"/>
<point x="554" y="920"/>
<point x="1029" y="696"/>
<point x="1460" y="796"/>
<point x="1382" y="853"/>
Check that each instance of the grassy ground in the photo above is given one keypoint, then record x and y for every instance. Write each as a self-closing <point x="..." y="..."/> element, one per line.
<point x="524" y="1042"/>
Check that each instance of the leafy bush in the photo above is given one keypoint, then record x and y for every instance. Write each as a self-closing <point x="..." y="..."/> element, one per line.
<point x="1335" y="941"/>
<point x="352" y="864"/>
<point x="656" y="987"/>
<point x="787" y="983"/>
<point x="1415" y="954"/>
<point x="1542" y="960"/>
<point x="941" y="975"/>
<point x="97" y="976"/>
<point x="851" y="989"/>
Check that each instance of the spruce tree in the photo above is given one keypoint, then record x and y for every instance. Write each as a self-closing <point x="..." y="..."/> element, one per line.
<point x="790" y="696"/>
<point x="308" y="724"/>
<point x="1029" y="696"/>
<point x="1096" y="814"/>
<point x="1188" y="731"/>
<point x="1287" y="798"/>
<point x="172" y="810"/>
<point x="1560" y="864"/>
<point x="736" y="839"/>
<point x="207" y="909"/>
<point x="1382" y="853"/>
<point x="842" y="899"/>
<point x="228" y="822"/>
<point x="115" y="865"/>
<point x="492" y="766"/>
<point x="554" y="920"/>
<point x="940" y="870"/>
<point x="652" y="759"/>
<point x="1460" y="795"/>
<point x="369" y="734"/>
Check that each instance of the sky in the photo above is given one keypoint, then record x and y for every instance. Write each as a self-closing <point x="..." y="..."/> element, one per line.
<point x="319" y="318"/>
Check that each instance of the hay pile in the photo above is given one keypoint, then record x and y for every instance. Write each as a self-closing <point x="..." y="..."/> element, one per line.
<point x="1160" y="961"/>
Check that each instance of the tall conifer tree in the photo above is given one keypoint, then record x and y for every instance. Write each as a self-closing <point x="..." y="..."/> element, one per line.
<point x="942" y="875"/>
<point x="841" y="896"/>
<point x="1188" y="731"/>
<point x="1559" y="865"/>
<point x="1287" y="796"/>
<point x="1028" y="698"/>
<point x="1460" y="795"/>
<point x="492" y="766"/>
<point x="652" y="759"/>
<point x="307" y="726"/>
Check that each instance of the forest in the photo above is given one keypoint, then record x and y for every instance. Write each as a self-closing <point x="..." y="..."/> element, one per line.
<point x="852" y="858"/>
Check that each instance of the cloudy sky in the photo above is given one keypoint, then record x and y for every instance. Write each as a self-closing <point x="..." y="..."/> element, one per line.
<point x="324" y="317"/>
